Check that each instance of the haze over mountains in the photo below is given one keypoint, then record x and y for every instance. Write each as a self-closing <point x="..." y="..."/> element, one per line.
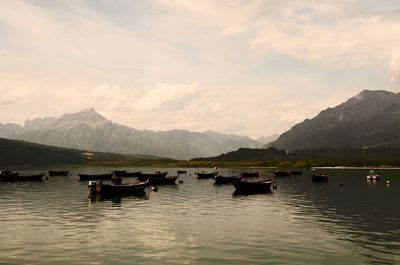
<point x="90" y="131"/>
<point x="370" y="119"/>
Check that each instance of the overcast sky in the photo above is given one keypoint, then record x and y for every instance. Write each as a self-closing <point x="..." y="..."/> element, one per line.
<point x="244" y="67"/>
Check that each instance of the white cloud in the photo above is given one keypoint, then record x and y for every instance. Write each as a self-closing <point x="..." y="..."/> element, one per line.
<point x="167" y="96"/>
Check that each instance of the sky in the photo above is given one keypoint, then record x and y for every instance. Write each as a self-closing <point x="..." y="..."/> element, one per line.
<point x="242" y="67"/>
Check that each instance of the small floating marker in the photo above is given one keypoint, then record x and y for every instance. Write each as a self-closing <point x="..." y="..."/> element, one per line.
<point x="180" y="181"/>
<point x="387" y="182"/>
<point x="154" y="188"/>
<point x="341" y="184"/>
<point x="275" y="187"/>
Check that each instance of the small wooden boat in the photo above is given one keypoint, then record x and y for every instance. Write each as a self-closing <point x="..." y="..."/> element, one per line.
<point x="95" y="176"/>
<point x="248" y="187"/>
<point x="295" y="172"/>
<point x="53" y="173"/>
<point x="119" y="173"/>
<point x="206" y="175"/>
<point x="226" y="179"/>
<point x="158" y="174"/>
<point x="319" y="178"/>
<point x="133" y="174"/>
<point x="14" y="176"/>
<point x="109" y="189"/>
<point x="181" y="172"/>
<point x="159" y="180"/>
<point x="281" y="174"/>
<point x="250" y="174"/>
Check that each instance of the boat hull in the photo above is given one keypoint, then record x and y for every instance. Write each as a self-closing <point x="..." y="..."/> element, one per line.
<point x="17" y="177"/>
<point x="245" y="187"/>
<point x="112" y="189"/>
<point x="319" y="178"/>
<point x="95" y="177"/>
<point x="53" y="173"/>
<point x="226" y="180"/>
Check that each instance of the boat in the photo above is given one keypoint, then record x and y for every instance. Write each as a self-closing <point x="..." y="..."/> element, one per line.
<point x="132" y="174"/>
<point x="295" y="172"/>
<point x="8" y="176"/>
<point x="53" y="173"/>
<point x="319" y="178"/>
<point x="249" y="187"/>
<point x="226" y="179"/>
<point x="109" y="189"/>
<point x="206" y="175"/>
<point x="160" y="179"/>
<point x="119" y="173"/>
<point x="250" y="174"/>
<point x="181" y="172"/>
<point x="373" y="176"/>
<point x="95" y="176"/>
<point x="281" y="174"/>
<point x="157" y="174"/>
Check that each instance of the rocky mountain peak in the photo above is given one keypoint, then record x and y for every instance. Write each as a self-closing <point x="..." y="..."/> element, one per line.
<point x="87" y="117"/>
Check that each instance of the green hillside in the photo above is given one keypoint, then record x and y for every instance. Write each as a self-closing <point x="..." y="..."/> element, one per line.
<point x="13" y="152"/>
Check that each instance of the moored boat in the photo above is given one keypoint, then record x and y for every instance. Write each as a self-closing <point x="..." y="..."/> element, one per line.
<point x="250" y="174"/>
<point x="226" y="179"/>
<point x="14" y="176"/>
<point x="53" y="173"/>
<point x="206" y="175"/>
<point x="295" y="172"/>
<point x="281" y="174"/>
<point x="319" y="178"/>
<point x="109" y="189"/>
<point x="249" y="187"/>
<point x="159" y="179"/>
<point x="95" y="176"/>
<point x="133" y="174"/>
<point x="119" y="173"/>
<point x="181" y="172"/>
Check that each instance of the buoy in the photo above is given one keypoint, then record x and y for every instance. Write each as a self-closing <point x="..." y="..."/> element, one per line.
<point x="387" y="182"/>
<point x="154" y="188"/>
<point x="275" y="187"/>
<point x="180" y="181"/>
<point x="341" y="184"/>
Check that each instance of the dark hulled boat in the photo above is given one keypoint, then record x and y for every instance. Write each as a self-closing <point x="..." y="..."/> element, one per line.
<point x="248" y="187"/>
<point x="226" y="179"/>
<point x="111" y="189"/>
<point x="250" y="174"/>
<point x="181" y="172"/>
<point x="53" y="173"/>
<point x="95" y="176"/>
<point x="295" y="172"/>
<point x="159" y="179"/>
<point x="281" y="174"/>
<point x="157" y="174"/>
<point x="206" y="175"/>
<point x="8" y="176"/>
<point x="119" y="173"/>
<point x="319" y="178"/>
<point x="133" y="174"/>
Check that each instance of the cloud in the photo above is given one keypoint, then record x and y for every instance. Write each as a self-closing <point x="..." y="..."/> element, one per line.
<point x="14" y="96"/>
<point x="167" y="96"/>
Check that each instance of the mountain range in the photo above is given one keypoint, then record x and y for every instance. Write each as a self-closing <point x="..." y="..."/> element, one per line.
<point x="368" y="120"/>
<point x="89" y="130"/>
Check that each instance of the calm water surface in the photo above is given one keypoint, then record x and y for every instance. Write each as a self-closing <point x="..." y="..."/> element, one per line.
<point x="196" y="222"/>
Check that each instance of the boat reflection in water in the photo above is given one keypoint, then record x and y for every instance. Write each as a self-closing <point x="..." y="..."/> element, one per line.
<point x="117" y="198"/>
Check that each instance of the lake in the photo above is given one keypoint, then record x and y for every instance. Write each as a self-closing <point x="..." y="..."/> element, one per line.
<point x="197" y="222"/>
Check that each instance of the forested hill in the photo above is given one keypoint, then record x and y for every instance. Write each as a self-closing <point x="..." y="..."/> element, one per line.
<point x="14" y="152"/>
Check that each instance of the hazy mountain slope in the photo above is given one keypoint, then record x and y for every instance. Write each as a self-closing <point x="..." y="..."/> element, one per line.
<point x="371" y="118"/>
<point x="90" y="131"/>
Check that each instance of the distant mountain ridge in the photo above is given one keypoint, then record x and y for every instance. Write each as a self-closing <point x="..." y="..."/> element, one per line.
<point x="90" y="131"/>
<point x="370" y="119"/>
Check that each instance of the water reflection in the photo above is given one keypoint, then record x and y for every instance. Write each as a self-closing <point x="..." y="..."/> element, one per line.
<point x="117" y="198"/>
<point x="196" y="222"/>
